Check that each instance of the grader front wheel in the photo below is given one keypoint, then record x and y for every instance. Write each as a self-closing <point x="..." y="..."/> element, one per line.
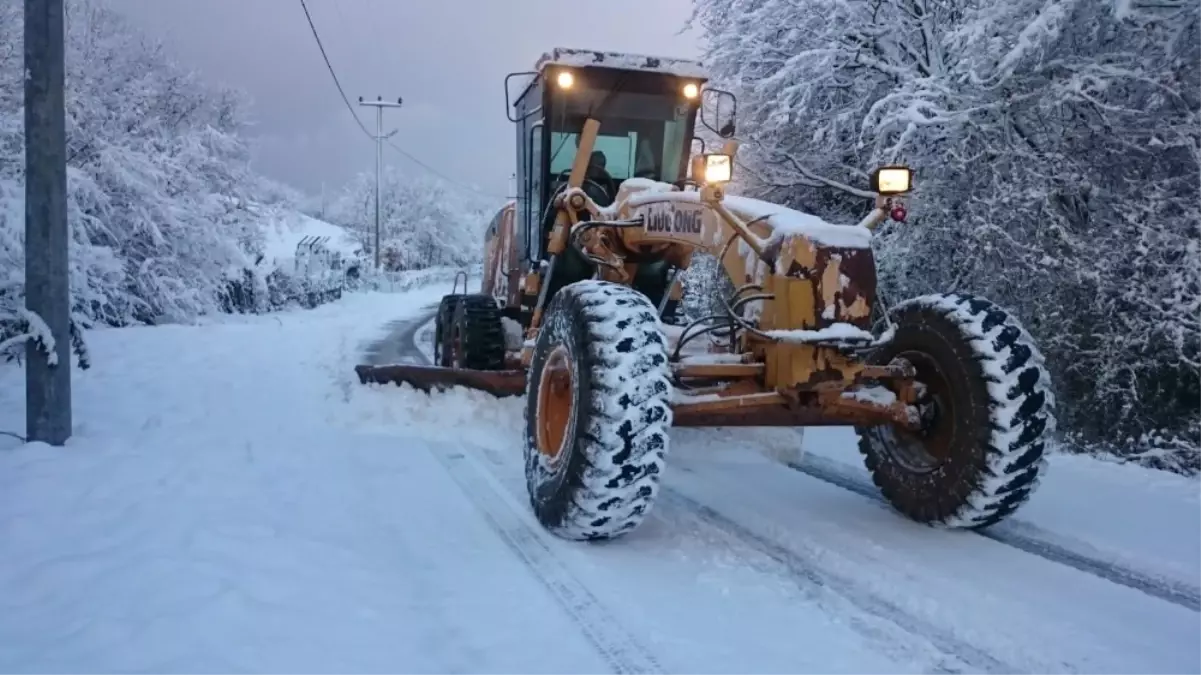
<point x="986" y="411"/>
<point x="597" y="412"/>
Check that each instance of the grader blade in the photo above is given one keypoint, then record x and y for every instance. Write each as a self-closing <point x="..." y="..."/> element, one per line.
<point x="499" y="383"/>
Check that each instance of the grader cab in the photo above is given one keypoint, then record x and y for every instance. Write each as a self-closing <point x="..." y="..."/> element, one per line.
<point x="582" y="275"/>
<point x="644" y="109"/>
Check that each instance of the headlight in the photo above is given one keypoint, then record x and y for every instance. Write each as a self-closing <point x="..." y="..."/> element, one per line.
<point x="691" y="90"/>
<point x="718" y="168"/>
<point x="892" y="180"/>
<point x="565" y="79"/>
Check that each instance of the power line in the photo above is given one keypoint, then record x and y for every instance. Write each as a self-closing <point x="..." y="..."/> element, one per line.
<point x="441" y="175"/>
<point x="332" y="74"/>
<point x="346" y="100"/>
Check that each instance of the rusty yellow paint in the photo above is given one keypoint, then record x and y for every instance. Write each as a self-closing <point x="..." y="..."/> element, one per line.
<point x="749" y="257"/>
<point x="801" y="315"/>
<point x="799" y="250"/>
<point x="830" y="283"/>
<point x="788" y="364"/>
<point x="697" y="167"/>
<point x="768" y="320"/>
<point x="579" y="167"/>
<point x="857" y="309"/>
<point x="566" y="218"/>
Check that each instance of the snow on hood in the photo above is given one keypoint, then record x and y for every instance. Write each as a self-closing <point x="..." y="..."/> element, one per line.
<point x="782" y="220"/>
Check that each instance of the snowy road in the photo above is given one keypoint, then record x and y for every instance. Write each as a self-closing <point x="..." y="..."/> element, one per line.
<point x="234" y="500"/>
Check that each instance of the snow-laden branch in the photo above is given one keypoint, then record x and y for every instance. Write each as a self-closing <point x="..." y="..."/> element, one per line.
<point x="1056" y="144"/>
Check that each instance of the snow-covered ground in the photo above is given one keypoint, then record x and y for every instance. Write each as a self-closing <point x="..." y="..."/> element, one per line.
<point x="1084" y="509"/>
<point x="234" y="500"/>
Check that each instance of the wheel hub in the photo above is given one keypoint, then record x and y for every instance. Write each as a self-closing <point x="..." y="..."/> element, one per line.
<point x="555" y="403"/>
<point x="929" y="444"/>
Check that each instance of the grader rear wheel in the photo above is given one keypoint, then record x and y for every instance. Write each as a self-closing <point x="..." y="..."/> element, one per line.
<point x="597" y="412"/>
<point x="443" y="349"/>
<point x="477" y="336"/>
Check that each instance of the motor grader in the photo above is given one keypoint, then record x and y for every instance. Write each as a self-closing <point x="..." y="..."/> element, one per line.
<point x="582" y="272"/>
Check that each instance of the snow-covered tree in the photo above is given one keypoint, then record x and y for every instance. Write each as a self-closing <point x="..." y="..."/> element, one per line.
<point x="1056" y="150"/>
<point x="158" y="176"/>
<point x="423" y="222"/>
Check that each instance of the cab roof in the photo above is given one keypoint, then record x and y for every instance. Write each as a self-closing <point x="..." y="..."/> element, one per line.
<point x="584" y="58"/>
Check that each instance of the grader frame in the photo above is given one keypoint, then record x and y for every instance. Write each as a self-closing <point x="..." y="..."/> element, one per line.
<point x="782" y="377"/>
<point x="951" y="398"/>
<point x="794" y="369"/>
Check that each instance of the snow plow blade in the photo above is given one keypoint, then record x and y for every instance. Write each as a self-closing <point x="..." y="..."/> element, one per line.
<point x="429" y="378"/>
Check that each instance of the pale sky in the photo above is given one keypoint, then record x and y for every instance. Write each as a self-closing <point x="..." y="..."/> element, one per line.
<point x="446" y="58"/>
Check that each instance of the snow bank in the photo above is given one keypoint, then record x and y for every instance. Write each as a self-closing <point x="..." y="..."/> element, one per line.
<point x="393" y="282"/>
<point x="284" y="230"/>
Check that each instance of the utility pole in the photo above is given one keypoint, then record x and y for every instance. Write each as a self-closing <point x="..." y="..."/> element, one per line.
<point x="379" y="104"/>
<point x="47" y="279"/>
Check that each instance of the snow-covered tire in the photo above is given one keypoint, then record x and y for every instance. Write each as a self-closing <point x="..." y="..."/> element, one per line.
<point x="477" y="334"/>
<point x="598" y="412"/>
<point x="442" y="321"/>
<point x="980" y="457"/>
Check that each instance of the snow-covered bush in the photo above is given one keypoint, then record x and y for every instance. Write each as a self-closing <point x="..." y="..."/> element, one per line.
<point x="1056" y="144"/>
<point x="159" y="184"/>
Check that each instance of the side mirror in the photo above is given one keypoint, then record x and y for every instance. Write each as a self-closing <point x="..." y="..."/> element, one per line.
<point x="719" y="110"/>
<point x="892" y="180"/>
<point x="510" y="101"/>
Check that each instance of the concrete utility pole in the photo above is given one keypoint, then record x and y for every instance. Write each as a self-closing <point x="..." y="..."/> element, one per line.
<point x="47" y="280"/>
<point x="379" y="104"/>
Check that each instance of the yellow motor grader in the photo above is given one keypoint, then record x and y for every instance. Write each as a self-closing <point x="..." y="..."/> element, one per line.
<point x="582" y="270"/>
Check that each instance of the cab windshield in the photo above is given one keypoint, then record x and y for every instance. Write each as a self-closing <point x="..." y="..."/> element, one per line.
<point x="645" y="125"/>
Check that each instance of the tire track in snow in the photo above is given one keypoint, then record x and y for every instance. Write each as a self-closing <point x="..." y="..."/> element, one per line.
<point x="1177" y="593"/>
<point x="811" y="578"/>
<point x="598" y="625"/>
<point x="620" y="649"/>
<point x="688" y="513"/>
<point x="404" y="341"/>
